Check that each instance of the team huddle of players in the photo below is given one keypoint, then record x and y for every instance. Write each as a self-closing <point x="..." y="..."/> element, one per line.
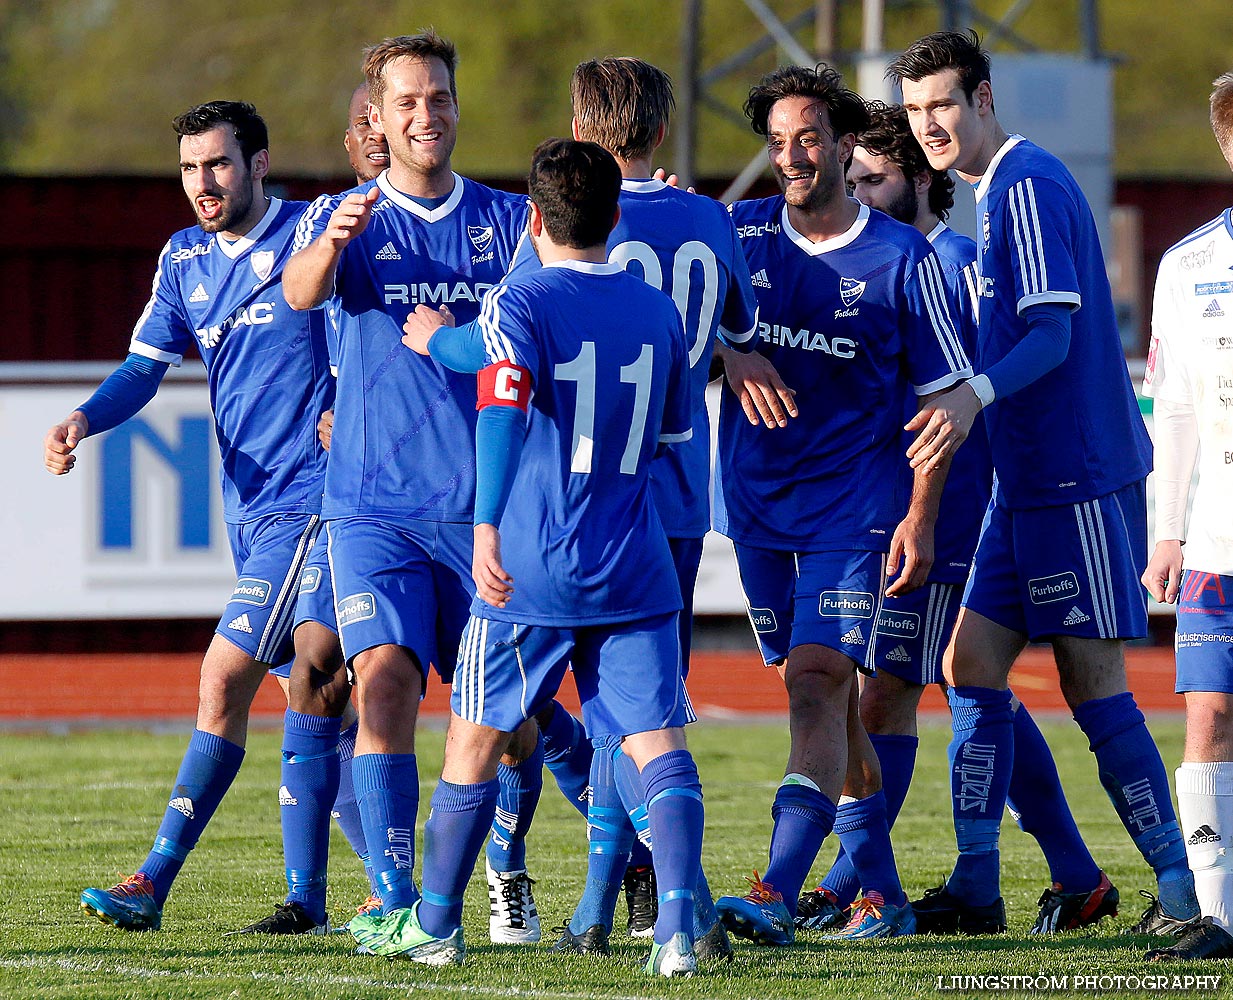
<point x="515" y="481"/>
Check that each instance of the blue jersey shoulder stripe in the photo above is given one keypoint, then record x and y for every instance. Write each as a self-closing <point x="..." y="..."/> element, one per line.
<point x="1204" y="230"/>
<point x="1026" y="227"/>
<point x="304" y="228"/>
<point x="496" y="345"/>
<point x="933" y="291"/>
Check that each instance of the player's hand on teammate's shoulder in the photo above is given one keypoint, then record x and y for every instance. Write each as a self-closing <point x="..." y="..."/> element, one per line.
<point x="913" y="544"/>
<point x="1163" y="576"/>
<point x="672" y="180"/>
<point x="420" y="326"/>
<point x="764" y="396"/>
<point x="492" y="583"/>
<point x="60" y="441"/>
<point x="943" y="423"/>
<point x="350" y="218"/>
<point x="325" y="429"/>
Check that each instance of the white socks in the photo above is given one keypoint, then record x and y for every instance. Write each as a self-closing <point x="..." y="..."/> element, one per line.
<point x="1205" y="812"/>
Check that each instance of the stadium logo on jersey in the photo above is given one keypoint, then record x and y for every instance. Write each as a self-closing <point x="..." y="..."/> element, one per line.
<point x="853" y="637"/>
<point x="1075" y="616"/>
<point x="1204" y="835"/>
<point x="310" y="581"/>
<point x="760" y="280"/>
<point x="262" y="262"/>
<point x="199" y="294"/>
<point x="441" y="293"/>
<point x="762" y="619"/>
<point x="388" y="252"/>
<point x="807" y="340"/>
<point x="769" y="228"/>
<point x="241" y="624"/>
<point x="198" y="250"/>
<point x="1059" y="587"/>
<point x="183" y="805"/>
<point x="899" y="655"/>
<point x="1197" y="258"/>
<point x="850" y="290"/>
<point x="845" y="604"/>
<point x="1213" y="310"/>
<point x="356" y="608"/>
<point x="251" y="591"/>
<point x="901" y="623"/>
<point x="1213" y="288"/>
<point x="480" y="237"/>
<point x="258" y="314"/>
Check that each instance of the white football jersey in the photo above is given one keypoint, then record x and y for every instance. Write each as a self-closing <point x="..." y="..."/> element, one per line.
<point x="1190" y="363"/>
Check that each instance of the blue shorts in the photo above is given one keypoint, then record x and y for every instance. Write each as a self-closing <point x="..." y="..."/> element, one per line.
<point x="315" y="601"/>
<point x="269" y="555"/>
<point x="628" y="674"/>
<point x="1204" y="640"/>
<point x="404" y="583"/>
<point x="1068" y="570"/>
<point x="821" y="598"/>
<point x="914" y="630"/>
<point x="686" y="557"/>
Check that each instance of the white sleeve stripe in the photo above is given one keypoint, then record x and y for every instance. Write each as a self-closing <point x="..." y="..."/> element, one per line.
<point x="676" y="438"/>
<point x="496" y="344"/>
<point x="1061" y="298"/>
<point x="1027" y="269"/>
<point x="1028" y="240"/>
<point x="154" y="354"/>
<point x="945" y="382"/>
<point x="969" y="279"/>
<point x="929" y="274"/>
<point x="740" y="338"/>
<point x="304" y="228"/>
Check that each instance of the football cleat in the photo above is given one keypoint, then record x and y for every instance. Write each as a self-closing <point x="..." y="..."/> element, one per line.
<point x="872" y="918"/>
<point x="1156" y="920"/>
<point x="129" y="905"/>
<point x="1067" y="911"/>
<point x="819" y="910"/>
<point x="673" y="958"/>
<point x="938" y="912"/>
<point x="372" y="905"/>
<point x="759" y="916"/>
<point x="512" y="917"/>
<point x="1204" y="940"/>
<point x="642" y="899"/>
<point x="714" y="945"/>
<point x="287" y="918"/>
<point x="398" y="934"/>
<point x="592" y="941"/>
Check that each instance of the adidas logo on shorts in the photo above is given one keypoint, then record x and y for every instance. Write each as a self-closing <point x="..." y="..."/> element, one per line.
<point x="241" y="624"/>
<point x="899" y="655"/>
<point x="199" y="294"/>
<point x="285" y="798"/>
<point x="1075" y="617"/>
<point x="1213" y="310"/>
<point x="760" y="280"/>
<point x="388" y="252"/>
<point x="853" y="637"/>
<point x="1204" y="835"/>
<point x="183" y="804"/>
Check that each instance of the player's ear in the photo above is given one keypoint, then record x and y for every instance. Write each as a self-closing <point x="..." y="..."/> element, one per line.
<point x="575" y="129"/>
<point x="982" y="97"/>
<point x="261" y="164"/>
<point x="922" y="182"/>
<point x="616" y="217"/>
<point x="374" y="118"/>
<point x="535" y="221"/>
<point x="844" y="145"/>
<point x="661" y="134"/>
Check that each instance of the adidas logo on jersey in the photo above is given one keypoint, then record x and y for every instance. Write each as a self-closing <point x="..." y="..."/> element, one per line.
<point x="388" y="252"/>
<point x="199" y="294"/>
<point x="853" y="637"/>
<point x="183" y="804"/>
<point x="285" y="798"/>
<point x="1075" y="617"/>
<point x="899" y="655"/>
<point x="760" y="280"/>
<point x="1204" y="835"/>
<point x="241" y="624"/>
<point x="1213" y="310"/>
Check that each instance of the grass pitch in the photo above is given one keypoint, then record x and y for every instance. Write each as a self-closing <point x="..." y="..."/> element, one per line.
<point x="81" y="809"/>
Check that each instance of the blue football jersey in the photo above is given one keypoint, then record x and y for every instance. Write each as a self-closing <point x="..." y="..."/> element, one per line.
<point x="1075" y="433"/>
<point x="970" y="482"/>
<point x="404" y="426"/>
<point x="854" y="324"/>
<point x="608" y="363"/>
<point x="267" y="365"/>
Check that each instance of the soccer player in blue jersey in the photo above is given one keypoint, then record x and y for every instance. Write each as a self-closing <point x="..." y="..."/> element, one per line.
<point x="823" y="510"/>
<point x="1190" y="375"/>
<point x="217" y="288"/>
<point x="400" y="483"/>
<point x="587" y="379"/>
<point x="1063" y="544"/>
<point x="889" y="172"/>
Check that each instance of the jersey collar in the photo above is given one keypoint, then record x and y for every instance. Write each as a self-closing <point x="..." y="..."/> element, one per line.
<point x="648" y="186"/>
<point x="414" y="207"/>
<point x="982" y="187"/>
<point x="936" y="231"/>
<point x="834" y="243"/>
<point x="587" y="266"/>
<point x="245" y="243"/>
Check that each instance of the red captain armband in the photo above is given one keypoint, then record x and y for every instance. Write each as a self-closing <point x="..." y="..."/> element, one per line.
<point x="504" y="384"/>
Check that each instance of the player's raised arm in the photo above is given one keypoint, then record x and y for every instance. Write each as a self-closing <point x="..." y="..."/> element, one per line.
<point x="308" y="278"/>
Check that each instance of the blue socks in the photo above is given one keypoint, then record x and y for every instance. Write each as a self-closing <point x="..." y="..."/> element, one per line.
<point x="519" y="795"/>
<point x="865" y="835"/>
<point x="209" y="766"/>
<point x="981" y="755"/>
<point x="803" y="817"/>
<point x="674" y="805"/>
<point x="309" y="783"/>
<point x="1039" y="806"/>
<point x="387" y="790"/>
<point x="1133" y="774"/>
<point x="457" y="825"/>
<point x="346" y="810"/>
<point x="610" y="835"/>
<point x="567" y="755"/>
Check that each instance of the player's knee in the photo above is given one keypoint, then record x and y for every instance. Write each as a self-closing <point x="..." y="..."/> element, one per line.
<point x="521" y="744"/>
<point x="818" y="678"/>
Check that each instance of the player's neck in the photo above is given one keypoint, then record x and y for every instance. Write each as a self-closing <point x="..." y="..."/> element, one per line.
<point x="552" y="253"/>
<point x="926" y="222"/>
<point x="639" y="169"/>
<point x="827" y="221"/>
<point x="977" y="165"/>
<point x="421" y="185"/>
<point x="260" y="205"/>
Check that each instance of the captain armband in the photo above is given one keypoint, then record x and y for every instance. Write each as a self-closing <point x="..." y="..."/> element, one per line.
<point x="504" y="384"/>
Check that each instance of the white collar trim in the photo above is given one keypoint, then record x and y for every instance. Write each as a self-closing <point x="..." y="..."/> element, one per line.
<point x="649" y="186"/>
<point x="245" y="243"/>
<point x="982" y="188"/>
<point x="414" y="207"/>
<point x="937" y="231"/>
<point x="834" y="243"/>
<point x="587" y="266"/>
